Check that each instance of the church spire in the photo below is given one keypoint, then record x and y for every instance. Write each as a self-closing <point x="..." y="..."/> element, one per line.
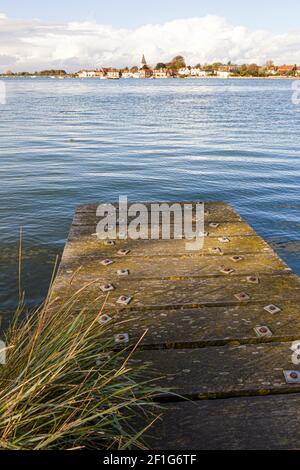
<point x="143" y="63"/>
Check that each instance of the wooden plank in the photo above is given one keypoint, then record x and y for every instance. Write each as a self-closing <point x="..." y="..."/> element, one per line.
<point x="207" y="326"/>
<point x="91" y="219"/>
<point x="214" y="210"/>
<point x="225" y="229"/>
<point x="249" y="423"/>
<point x="92" y="247"/>
<point x="220" y="372"/>
<point x="189" y="293"/>
<point x="172" y="267"/>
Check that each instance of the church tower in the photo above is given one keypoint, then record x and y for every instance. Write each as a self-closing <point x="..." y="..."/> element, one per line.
<point x="143" y="63"/>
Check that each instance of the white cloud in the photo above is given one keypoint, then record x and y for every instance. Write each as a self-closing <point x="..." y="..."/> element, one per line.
<point x="34" y="44"/>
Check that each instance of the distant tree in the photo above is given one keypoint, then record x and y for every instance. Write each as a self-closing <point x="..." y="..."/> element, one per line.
<point x="269" y="64"/>
<point x="134" y="69"/>
<point x="177" y="62"/>
<point x="198" y="66"/>
<point x="52" y="72"/>
<point x="216" y="65"/>
<point x="160" y="65"/>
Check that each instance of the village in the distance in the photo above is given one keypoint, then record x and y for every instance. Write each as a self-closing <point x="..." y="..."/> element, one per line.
<point x="176" y="68"/>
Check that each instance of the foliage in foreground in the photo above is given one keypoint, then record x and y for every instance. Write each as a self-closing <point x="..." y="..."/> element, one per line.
<point x="64" y="388"/>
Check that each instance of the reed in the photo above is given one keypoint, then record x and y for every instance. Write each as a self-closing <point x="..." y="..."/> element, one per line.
<point x="64" y="387"/>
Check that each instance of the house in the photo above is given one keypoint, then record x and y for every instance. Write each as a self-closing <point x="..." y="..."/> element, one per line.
<point x="113" y="74"/>
<point x="287" y="70"/>
<point x="223" y="74"/>
<point x="196" y="72"/>
<point x="184" y="71"/>
<point x="98" y="73"/>
<point x="271" y="70"/>
<point x="145" y="72"/>
<point x="163" y="73"/>
<point x="86" y="74"/>
<point x="126" y="74"/>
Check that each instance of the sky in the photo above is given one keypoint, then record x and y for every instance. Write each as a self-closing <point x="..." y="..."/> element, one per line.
<point x="93" y="33"/>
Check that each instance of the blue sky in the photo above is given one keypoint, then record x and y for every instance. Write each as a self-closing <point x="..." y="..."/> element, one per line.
<point x="273" y="15"/>
<point x="77" y="34"/>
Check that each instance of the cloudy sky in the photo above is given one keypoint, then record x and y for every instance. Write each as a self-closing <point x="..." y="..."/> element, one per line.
<point x="76" y="34"/>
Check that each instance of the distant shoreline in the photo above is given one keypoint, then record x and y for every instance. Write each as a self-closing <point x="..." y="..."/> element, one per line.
<point x="147" y="79"/>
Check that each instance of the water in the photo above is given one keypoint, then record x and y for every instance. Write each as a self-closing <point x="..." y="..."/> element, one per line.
<point x="69" y="142"/>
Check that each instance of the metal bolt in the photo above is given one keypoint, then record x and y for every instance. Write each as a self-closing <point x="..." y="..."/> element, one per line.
<point x="124" y="300"/>
<point x="107" y="262"/>
<point x="123" y="252"/>
<point x="107" y="288"/>
<point x="272" y="309"/>
<point x="122" y="338"/>
<point x="263" y="331"/>
<point x="292" y="376"/>
<point x="214" y="225"/>
<point x="226" y="270"/>
<point x="109" y="243"/>
<point x="104" y="319"/>
<point x="123" y="272"/>
<point x="242" y="296"/>
<point x="216" y="250"/>
<point x="236" y="259"/>
<point x="224" y="240"/>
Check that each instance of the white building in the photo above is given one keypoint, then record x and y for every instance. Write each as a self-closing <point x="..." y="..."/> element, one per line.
<point x="222" y="74"/>
<point x="196" y="72"/>
<point x="127" y="75"/>
<point x="87" y="74"/>
<point x="184" y="71"/>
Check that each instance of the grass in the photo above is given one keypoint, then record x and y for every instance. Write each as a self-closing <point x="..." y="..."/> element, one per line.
<point x="63" y="386"/>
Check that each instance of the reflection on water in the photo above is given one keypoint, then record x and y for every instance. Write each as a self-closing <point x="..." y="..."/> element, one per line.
<point x="69" y="142"/>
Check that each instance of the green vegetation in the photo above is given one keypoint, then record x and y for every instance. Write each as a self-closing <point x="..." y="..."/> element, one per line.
<point x="64" y="387"/>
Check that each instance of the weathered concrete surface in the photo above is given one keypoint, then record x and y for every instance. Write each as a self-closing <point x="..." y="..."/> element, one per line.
<point x="200" y="323"/>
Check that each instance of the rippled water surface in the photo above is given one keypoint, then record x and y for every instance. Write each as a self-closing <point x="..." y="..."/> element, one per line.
<point x="68" y="142"/>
